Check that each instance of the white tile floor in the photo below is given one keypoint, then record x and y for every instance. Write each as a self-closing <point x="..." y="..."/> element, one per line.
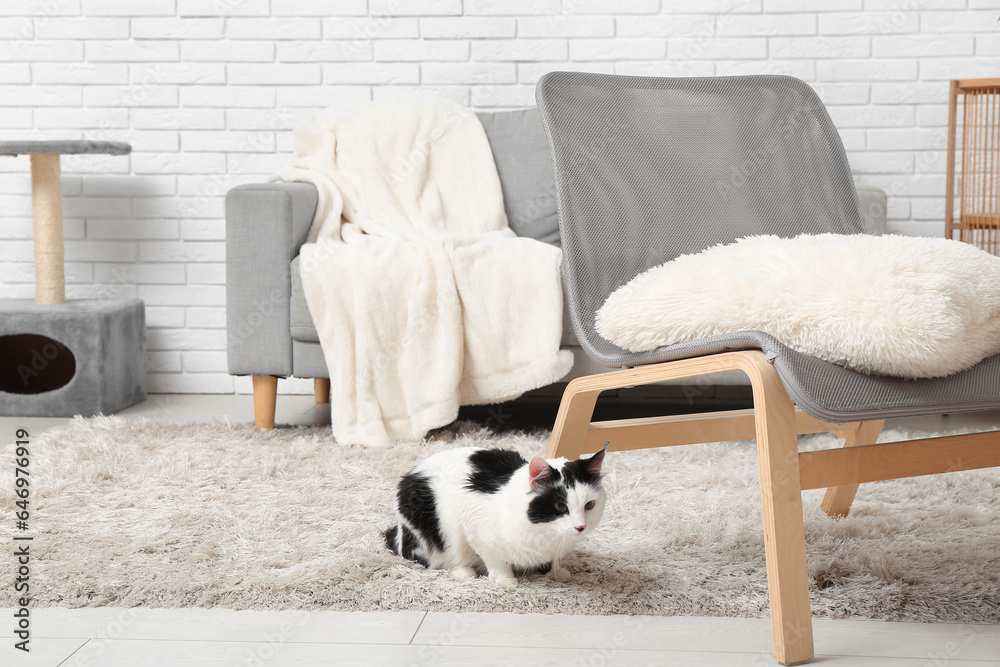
<point x="116" y="636"/>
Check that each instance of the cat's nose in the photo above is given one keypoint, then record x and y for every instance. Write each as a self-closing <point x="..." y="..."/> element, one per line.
<point x="579" y="529"/>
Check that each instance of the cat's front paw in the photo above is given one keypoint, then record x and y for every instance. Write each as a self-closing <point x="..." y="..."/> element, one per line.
<point x="504" y="581"/>
<point x="561" y="574"/>
<point x="463" y="572"/>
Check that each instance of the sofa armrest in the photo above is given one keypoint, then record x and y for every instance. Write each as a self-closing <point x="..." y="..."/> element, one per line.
<point x="872" y="201"/>
<point x="266" y="224"/>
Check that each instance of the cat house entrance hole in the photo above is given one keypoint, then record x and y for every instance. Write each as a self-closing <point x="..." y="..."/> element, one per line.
<point x="34" y="364"/>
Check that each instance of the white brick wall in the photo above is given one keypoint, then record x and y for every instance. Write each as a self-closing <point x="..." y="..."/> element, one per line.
<point x="207" y="92"/>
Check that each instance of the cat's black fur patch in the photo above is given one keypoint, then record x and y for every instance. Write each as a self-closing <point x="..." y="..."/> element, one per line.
<point x="492" y="469"/>
<point x="554" y="476"/>
<point x="418" y="506"/>
<point x="578" y="472"/>
<point x="410" y="544"/>
<point x="390" y="538"/>
<point x="542" y="508"/>
<point x="545" y="568"/>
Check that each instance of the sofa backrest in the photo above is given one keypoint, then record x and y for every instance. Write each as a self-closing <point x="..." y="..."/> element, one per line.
<point x="522" y="157"/>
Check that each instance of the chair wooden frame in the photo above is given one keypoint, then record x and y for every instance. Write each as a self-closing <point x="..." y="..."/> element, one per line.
<point x="978" y="220"/>
<point x="784" y="472"/>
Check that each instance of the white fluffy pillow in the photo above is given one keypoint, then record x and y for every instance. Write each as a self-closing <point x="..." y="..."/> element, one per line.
<point x="888" y="305"/>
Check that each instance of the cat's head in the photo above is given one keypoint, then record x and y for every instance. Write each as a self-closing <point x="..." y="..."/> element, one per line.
<point x="567" y="494"/>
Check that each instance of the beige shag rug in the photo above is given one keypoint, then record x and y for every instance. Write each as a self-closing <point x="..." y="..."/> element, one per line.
<point x="134" y="513"/>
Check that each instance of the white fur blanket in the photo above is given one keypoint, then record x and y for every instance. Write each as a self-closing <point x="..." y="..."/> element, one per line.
<point x="888" y="305"/>
<point x="423" y="297"/>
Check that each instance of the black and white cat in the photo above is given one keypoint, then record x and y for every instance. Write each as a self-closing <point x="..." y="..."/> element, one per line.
<point x="466" y="508"/>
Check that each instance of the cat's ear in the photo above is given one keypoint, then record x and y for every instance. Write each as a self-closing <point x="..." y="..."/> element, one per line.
<point x="540" y="472"/>
<point x="595" y="461"/>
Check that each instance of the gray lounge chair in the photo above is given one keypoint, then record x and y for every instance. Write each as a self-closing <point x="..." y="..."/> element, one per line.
<point x="648" y="169"/>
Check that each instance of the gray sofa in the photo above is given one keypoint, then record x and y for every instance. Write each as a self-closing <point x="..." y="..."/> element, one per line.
<point x="270" y="333"/>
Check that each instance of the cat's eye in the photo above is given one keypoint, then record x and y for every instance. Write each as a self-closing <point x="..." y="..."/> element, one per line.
<point x="590" y="505"/>
<point x="561" y="508"/>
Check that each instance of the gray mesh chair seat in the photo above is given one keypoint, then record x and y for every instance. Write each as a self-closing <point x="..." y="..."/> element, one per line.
<point x="833" y="393"/>
<point x="648" y="169"/>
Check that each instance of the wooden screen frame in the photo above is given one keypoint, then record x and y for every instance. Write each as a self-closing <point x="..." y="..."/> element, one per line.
<point x="989" y="230"/>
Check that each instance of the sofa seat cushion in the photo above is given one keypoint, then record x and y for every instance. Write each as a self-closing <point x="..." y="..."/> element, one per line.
<point x="300" y="321"/>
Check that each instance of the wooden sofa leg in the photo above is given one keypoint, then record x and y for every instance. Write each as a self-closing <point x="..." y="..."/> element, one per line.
<point x="838" y="499"/>
<point x="265" y="395"/>
<point x="321" y="388"/>
<point x="572" y="421"/>
<point x="784" y="531"/>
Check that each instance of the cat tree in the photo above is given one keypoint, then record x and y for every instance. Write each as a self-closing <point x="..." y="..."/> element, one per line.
<point x="59" y="358"/>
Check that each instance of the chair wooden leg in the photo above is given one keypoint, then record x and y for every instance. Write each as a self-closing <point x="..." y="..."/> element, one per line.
<point x="784" y="531"/>
<point x="572" y="421"/>
<point x="265" y="395"/>
<point x="838" y="499"/>
<point x="321" y="388"/>
<point x="778" y="455"/>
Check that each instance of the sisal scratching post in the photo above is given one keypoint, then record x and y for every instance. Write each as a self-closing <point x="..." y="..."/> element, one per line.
<point x="46" y="205"/>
